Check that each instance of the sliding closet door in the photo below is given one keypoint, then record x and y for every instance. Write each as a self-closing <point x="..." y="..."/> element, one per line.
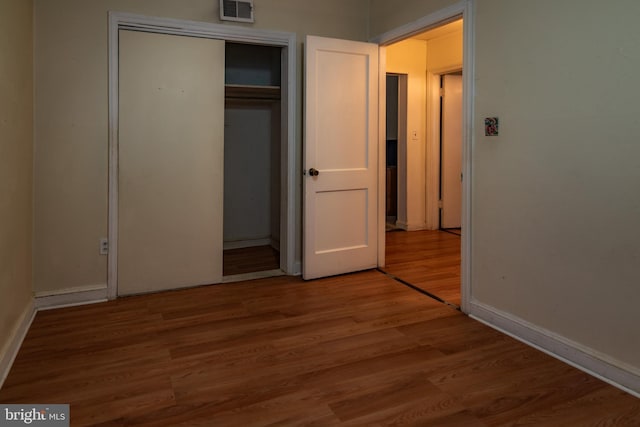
<point x="171" y="159"/>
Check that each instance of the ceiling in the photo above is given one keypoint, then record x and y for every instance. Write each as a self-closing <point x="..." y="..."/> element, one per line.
<point x="443" y="30"/>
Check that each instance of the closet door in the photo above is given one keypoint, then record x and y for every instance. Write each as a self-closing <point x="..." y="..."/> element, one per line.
<point x="171" y="159"/>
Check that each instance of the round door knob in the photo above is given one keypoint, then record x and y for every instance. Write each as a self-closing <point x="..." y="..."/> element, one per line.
<point x="314" y="172"/>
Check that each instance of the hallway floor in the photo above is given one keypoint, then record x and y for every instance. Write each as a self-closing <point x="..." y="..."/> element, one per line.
<point x="429" y="260"/>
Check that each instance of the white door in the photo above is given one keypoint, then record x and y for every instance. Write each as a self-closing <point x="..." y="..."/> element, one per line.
<point x="451" y="172"/>
<point x="340" y="157"/>
<point x="171" y="158"/>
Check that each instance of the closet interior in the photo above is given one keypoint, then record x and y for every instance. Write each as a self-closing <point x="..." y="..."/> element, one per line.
<point x="252" y="159"/>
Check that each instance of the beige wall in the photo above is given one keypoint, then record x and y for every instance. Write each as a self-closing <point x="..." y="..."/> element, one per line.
<point x="16" y="158"/>
<point x="556" y="199"/>
<point x="386" y="15"/>
<point x="410" y="57"/>
<point x="71" y="115"/>
<point x="556" y="196"/>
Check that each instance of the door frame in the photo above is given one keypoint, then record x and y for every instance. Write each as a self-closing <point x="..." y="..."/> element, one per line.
<point x="127" y="21"/>
<point x="463" y="9"/>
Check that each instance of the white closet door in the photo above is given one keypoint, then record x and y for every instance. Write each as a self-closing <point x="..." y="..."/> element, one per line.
<point x="171" y="159"/>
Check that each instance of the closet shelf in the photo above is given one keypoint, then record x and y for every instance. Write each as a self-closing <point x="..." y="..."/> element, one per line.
<point x="252" y="92"/>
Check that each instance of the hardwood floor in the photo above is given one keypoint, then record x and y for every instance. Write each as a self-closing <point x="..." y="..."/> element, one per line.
<point x="353" y="350"/>
<point x="429" y="260"/>
<point x="250" y="260"/>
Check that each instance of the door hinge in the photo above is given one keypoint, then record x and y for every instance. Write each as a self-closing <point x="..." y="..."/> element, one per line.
<point x="441" y="92"/>
<point x="440" y="204"/>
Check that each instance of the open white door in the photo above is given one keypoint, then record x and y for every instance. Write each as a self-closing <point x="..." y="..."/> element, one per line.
<point x="451" y="152"/>
<point x="340" y="157"/>
<point x="171" y="160"/>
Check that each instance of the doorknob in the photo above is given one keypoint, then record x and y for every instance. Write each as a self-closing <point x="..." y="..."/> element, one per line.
<point x="314" y="172"/>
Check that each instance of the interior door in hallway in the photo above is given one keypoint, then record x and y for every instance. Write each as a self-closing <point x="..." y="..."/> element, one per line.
<point x="340" y="158"/>
<point x="451" y="165"/>
<point x="171" y="160"/>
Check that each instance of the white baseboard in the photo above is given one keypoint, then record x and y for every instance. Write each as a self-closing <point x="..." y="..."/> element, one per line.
<point x="10" y="351"/>
<point x="239" y="244"/>
<point x="297" y="269"/>
<point x="410" y="227"/>
<point x="614" y="372"/>
<point x="71" y="296"/>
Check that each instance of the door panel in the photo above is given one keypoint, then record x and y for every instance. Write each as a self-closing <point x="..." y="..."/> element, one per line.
<point x="452" y="152"/>
<point x="171" y="159"/>
<point x="341" y="125"/>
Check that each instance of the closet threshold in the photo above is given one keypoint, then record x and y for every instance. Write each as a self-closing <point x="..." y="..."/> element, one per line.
<point x="253" y="276"/>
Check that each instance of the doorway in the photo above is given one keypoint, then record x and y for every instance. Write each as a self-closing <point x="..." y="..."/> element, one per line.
<point x="395" y="148"/>
<point x="425" y="249"/>
<point x="252" y="161"/>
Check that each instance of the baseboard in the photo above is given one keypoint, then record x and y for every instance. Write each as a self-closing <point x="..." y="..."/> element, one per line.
<point x="402" y="225"/>
<point x="239" y="244"/>
<point x="614" y="372"/>
<point x="10" y="351"/>
<point x="71" y="296"/>
<point x="297" y="269"/>
<point x="275" y="243"/>
<point x="252" y="276"/>
<point x="410" y="227"/>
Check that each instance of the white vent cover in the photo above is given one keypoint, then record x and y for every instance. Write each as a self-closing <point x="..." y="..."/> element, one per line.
<point x="236" y="10"/>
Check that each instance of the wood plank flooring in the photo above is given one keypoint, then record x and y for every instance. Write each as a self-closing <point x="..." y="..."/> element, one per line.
<point x="353" y="350"/>
<point x="427" y="259"/>
<point x="250" y="260"/>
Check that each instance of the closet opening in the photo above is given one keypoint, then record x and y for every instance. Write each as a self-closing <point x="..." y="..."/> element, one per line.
<point x="252" y="161"/>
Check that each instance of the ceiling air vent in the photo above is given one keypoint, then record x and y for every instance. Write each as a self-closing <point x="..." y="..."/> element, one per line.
<point x="236" y="10"/>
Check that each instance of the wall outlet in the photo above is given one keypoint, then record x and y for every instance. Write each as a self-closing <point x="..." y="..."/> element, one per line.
<point x="104" y="246"/>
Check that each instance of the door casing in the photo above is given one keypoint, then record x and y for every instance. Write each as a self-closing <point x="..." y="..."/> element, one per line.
<point x="463" y="9"/>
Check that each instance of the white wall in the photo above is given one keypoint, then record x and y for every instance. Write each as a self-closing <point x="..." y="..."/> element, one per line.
<point x="410" y="57"/>
<point x="16" y="158"/>
<point x="71" y="116"/>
